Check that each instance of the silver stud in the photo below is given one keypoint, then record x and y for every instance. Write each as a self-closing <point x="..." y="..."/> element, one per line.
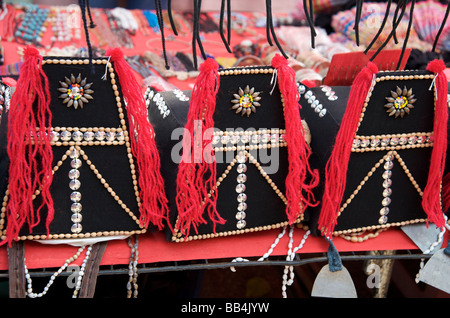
<point x="75" y="196"/>
<point x="77" y="136"/>
<point x="74" y="184"/>
<point x="383" y="219"/>
<point x="240" y="188"/>
<point x="241" y="224"/>
<point x="76" y="218"/>
<point x="74" y="174"/>
<point x="89" y="136"/>
<point x="76" y="228"/>
<point x="76" y="207"/>
<point x="242" y="197"/>
<point x="386" y="201"/>
<point x="241" y="178"/>
<point x="241" y="168"/>
<point x="65" y="135"/>
<point x="387" y="174"/>
<point x="75" y="163"/>
<point x="242" y="206"/>
<point x="100" y="135"/>
<point x="387" y="192"/>
<point x="384" y="211"/>
<point x="323" y="112"/>
<point x="240" y="215"/>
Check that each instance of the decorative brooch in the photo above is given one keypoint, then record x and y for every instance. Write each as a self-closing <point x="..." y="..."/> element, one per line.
<point x="246" y="101"/>
<point x="400" y="102"/>
<point x="75" y="92"/>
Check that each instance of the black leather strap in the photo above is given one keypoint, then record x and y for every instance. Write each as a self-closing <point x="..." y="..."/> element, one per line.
<point x="89" y="282"/>
<point x="16" y="272"/>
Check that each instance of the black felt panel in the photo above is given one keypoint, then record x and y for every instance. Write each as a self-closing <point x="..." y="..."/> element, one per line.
<point x="99" y="112"/>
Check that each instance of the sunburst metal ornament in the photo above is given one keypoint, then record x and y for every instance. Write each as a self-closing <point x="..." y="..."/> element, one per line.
<point x="246" y="101"/>
<point x="75" y="91"/>
<point x="400" y="102"/>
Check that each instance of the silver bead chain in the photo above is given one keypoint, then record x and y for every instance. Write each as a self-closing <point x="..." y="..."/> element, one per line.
<point x="290" y="257"/>
<point x="431" y="248"/>
<point x="81" y="273"/>
<point x="266" y="255"/>
<point x="132" y="268"/>
<point x="29" y="291"/>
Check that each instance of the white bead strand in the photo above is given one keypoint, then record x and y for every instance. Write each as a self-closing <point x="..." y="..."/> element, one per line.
<point x="81" y="272"/>
<point x="29" y="291"/>
<point x="290" y="257"/>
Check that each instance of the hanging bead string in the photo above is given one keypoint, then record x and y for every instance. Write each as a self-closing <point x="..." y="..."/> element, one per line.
<point x="81" y="272"/>
<point x="132" y="268"/>
<point x="290" y="257"/>
<point x="266" y="255"/>
<point x="431" y="248"/>
<point x="29" y="291"/>
<point x="288" y="269"/>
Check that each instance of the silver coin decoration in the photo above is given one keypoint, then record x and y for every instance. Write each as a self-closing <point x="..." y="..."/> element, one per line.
<point x="368" y="143"/>
<point x="75" y="196"/>
<point x="240" y="189"/>
<point x="78" y="136"/>
<point x="387" y="182"/>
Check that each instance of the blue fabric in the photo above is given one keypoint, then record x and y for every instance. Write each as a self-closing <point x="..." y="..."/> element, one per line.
<point x="447" y="249"/>
<point x="334" y="259"/>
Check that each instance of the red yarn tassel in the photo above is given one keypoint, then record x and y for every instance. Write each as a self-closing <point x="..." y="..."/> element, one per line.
<point x="336" y="168"/>
<point x="196" y="180"/>
<point x="29" y="124"/>
<point x="298" y="188"/>
<point x="431" y="201"/>
<point x="154" y="206"/>
<point x="446" y="193"/>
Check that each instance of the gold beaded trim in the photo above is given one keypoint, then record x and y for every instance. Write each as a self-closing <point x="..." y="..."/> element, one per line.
<point x="124" y="141"/>
<point x="177" y="236"/>
<point x="426" y="141"/>
<point x="246" y="70"/>
<point x="359" y="238"/>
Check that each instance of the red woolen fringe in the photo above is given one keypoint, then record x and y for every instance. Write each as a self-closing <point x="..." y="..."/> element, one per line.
<point x="30" y="151"/>
<point x="154" y="207"/>
<point x="298" y="191"/>
<point x="196" y="179"/>
<point x="446" y="193"/>
<point x="336" y="168"/>
<point x="431" y="200"/>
